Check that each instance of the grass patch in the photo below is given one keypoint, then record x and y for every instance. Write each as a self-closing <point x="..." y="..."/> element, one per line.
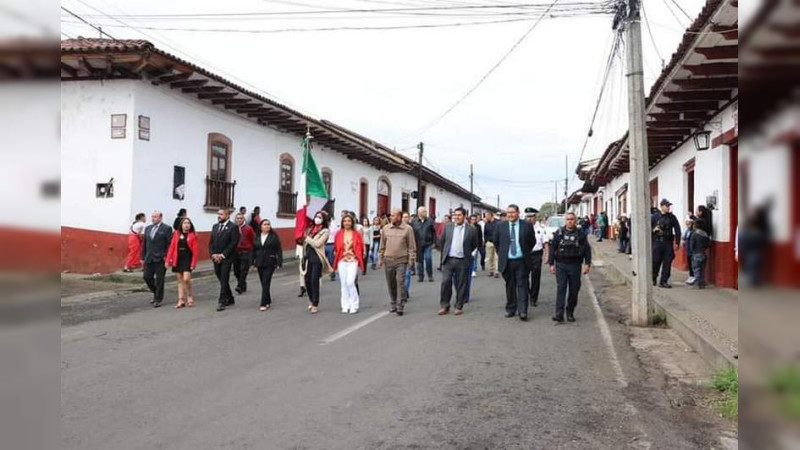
<point x="660" y="320"/>
<point x="785" y="385"/>
<point x="726" y="382"/>
<point x="114" y="278"/>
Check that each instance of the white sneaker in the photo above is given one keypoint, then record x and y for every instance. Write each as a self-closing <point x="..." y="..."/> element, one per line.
<point x="474" y="274"/>
<point x="354" y="311"/>
<point x="690" y="280"/>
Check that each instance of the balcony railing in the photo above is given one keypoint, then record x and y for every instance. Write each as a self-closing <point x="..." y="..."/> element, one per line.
<point x="287" y="203"/>
<point x="219" y="194"/>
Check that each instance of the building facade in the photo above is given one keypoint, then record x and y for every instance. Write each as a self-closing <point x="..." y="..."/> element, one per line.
<point x="142" y="130"/>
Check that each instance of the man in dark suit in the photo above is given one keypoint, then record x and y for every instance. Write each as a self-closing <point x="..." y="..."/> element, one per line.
<point x="514" y="240"/>
<point x="457" y="242"/>
<point x="157" y="237"/>
<point x="222" y="248"/>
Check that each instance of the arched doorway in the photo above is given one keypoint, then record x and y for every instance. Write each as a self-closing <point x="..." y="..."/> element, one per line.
<point x="363" y="197"/>
<point x="384" y="196"/>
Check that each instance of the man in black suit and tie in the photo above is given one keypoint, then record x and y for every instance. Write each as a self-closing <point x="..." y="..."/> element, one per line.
<point x="457" y="242"/>
<point x="157" y="237"/>
<point x="222" y="248"/>
<point x="514" y="240"/>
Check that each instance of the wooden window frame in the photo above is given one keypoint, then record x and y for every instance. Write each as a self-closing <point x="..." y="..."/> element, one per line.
<point x="328" y="186"/>
<point x="224" y="188"/>
<point x="283" y="157"/>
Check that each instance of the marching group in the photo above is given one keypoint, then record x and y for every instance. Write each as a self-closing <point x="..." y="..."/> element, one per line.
<point x="400" y="244"/>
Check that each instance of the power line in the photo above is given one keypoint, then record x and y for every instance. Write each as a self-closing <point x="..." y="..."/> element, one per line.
<point x="677" y="5"/>
<point x="320" y="29"/>
<point x="489" y="73"/>
<point x="675" y="16"/>
<point x="521" y="6"/>
<point x="652" y="38"/>
<point x="87" y="23"/>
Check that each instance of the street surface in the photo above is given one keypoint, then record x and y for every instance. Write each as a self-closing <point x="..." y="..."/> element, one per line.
<point x="134" y="377"/>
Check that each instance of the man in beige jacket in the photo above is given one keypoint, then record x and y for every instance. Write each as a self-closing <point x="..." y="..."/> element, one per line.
<point x="397" y="251"/>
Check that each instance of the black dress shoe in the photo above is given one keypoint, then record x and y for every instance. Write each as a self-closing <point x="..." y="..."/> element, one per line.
<point x="421" y="279"/>
<point x="570" y="318"/>
<point x="665" y="285"/>
<point x="238" y="291"/>
<point x="655" y="282"/>
<point x="510" y="315"/>
<point x="534" y="302"/>
<point x="558" y="319"/>
<point x="430" y="279"/>
<point x="231" y="302"/>
<point x="302" y="292"/>
<point x="156" y="304"/>
<point x="221" y="307"/>
<point x="393" y="310"/>
<point x="399" y="313"/>
<point x="523" y="317"/>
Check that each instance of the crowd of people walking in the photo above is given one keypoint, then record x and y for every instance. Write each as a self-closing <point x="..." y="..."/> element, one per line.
<point x="504" y="245"/>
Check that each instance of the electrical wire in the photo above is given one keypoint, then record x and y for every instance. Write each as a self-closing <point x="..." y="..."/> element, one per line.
<point x="677" y="5"/>
<point x="675" y="16"/>
<point x="487" y="74"/>
<point x="652" y="38"/>
<point x="87" y="23"/>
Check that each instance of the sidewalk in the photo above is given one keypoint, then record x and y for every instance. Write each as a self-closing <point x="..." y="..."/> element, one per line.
<point x="77" y="287"/>
<point x="708" y="320"/>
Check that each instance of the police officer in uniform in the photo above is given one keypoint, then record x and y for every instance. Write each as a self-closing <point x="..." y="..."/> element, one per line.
<point x="538" y="252"/>
<point x="568" y="251"/>
<point x="666" y="232"/>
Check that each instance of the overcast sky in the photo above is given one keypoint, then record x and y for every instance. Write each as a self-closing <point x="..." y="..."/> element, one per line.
<point x="517" y="128"/>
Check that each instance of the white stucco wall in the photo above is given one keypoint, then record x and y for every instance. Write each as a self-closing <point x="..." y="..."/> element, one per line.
<point x="179" y="133"/>
<point x="90" y="156"/>
<point x="712" y="168"/>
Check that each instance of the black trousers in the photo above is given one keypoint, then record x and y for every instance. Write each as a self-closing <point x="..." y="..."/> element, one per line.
<point x="482" y="251"/>
<point x="663" y="254"/>
<point x="536" y="275"/>
<point x="313" y="275"/>
<point x="568" y="279"/>
<point x="154" y="273"/>
<point x="241" y="269"/>
<point x="454" y="270"/>
<point x="265" y="276"/>
<point x="516" y="277"/>
<point x="223" y="272"/>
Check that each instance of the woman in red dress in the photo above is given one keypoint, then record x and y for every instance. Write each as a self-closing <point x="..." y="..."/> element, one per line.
<point x="134" y="259"/>
<point x="182" y="257"/>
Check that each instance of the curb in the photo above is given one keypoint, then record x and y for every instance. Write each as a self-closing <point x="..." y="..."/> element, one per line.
<point x="697" y="332"/>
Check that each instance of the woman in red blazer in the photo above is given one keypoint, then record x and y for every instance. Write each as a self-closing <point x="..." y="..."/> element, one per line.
<point x="348" y="259"/>
<point x="182" y="257"/>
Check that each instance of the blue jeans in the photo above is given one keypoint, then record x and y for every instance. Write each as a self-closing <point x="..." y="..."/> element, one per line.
<point x="425" y="258"/>
<point x="469" y="277"/>
<point x="373" y="252"/>
<point x="330" y="255"/>
<point x="698" y="266"/>
<point x="407" y="281"/>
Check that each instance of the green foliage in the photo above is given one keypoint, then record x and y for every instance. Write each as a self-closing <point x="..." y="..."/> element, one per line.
<point x="659" y="320"/>
<point x="727" y="382"/>
<point x="548" y="209"/>
<point x="785" y="384"/>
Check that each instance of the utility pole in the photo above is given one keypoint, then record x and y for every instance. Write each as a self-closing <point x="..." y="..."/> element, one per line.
<point x="640" y="169"/>
<point x="471" y="195"/>
<point x="555" y="198"/>
<point x="421" y="148"/>
<point x="566" y="182"/>
<point x="498" y="201"/>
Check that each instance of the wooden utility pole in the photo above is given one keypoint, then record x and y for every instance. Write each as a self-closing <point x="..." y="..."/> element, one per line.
<point x="421" y="148"/>
<point x="471" y="195"/>
<point x="640" y="171"/>
<point x="566" y="182"/>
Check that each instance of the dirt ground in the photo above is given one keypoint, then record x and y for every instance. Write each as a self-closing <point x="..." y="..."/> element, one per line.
<point x="680" y="372"/>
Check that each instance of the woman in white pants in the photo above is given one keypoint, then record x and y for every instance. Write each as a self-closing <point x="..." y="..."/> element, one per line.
<point x="348" y="260"/>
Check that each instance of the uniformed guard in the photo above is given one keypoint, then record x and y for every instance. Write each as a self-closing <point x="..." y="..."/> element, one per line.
<point x="666" y="239"/>
<point x="538" y="252"/>
<point x="568" y="251"/>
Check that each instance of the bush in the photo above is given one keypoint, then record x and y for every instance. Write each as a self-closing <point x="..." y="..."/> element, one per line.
<point x="726" y="381"/>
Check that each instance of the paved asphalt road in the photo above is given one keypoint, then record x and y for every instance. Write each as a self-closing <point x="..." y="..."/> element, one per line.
<point x="134" y="377"/>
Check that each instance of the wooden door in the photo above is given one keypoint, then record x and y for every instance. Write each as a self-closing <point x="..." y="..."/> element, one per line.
<point x="362" y="199"/>
<point x="383" y="204"/>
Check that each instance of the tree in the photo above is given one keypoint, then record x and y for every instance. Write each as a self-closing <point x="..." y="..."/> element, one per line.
<point x="548" y="209"/>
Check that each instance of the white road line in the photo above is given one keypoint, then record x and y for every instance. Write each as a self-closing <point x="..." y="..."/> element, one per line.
<point x="606" y="333"/>
<point x="348" y="330"/>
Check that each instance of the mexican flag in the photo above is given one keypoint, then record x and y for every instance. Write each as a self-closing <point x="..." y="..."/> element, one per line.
<point x="311" y="187"/>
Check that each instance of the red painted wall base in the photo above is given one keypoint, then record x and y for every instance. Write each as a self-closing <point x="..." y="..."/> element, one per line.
<point x="28" y="251"/>
<point x="88" y="251"/>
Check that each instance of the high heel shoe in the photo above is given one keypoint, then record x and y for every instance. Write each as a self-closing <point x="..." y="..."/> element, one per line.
<point x="314" y="310"/>
<point x="181" y="304"/>
<point x="190" y="302"/>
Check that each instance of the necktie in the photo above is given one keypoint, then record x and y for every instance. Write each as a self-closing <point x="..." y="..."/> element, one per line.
<point x="513" y="239"/>
<point x="155" y="230"/>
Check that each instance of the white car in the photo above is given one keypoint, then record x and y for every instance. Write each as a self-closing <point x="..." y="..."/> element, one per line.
<point x="553" y="223"/>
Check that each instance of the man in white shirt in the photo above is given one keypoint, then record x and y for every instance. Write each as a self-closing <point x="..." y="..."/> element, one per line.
<point x="538" y="253"/>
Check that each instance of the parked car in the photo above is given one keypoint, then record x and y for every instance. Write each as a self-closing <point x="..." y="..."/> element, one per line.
<point x="553" y="223"/>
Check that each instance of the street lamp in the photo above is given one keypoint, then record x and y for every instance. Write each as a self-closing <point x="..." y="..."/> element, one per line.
<point x="702" y="140"/>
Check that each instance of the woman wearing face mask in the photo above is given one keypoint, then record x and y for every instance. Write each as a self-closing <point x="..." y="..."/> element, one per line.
<point x="313" y="263"/>
<point x="349" y="257"/>
<point x="267" y="257"/>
